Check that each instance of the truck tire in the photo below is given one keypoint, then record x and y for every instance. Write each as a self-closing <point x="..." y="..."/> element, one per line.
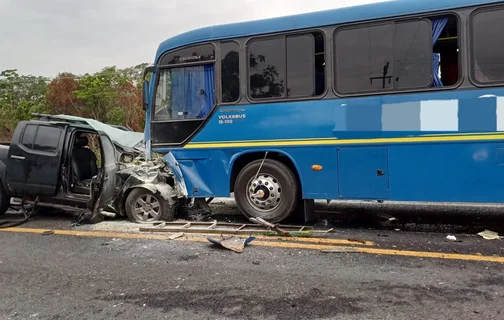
<point x="4" y="200"/>
<point x="272" y="196"/>
<point x="143" y="206"/>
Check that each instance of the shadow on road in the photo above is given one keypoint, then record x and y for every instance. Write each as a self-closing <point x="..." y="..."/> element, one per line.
<point x="413" y="217"/>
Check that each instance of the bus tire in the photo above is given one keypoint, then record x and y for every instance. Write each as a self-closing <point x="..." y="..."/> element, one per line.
<point x="143" y="206"/>
<point x="272" y="196"/>
<point x="4" y="200"/>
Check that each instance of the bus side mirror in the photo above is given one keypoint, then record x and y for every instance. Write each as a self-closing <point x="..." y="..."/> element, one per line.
<point x="145" y="94"/>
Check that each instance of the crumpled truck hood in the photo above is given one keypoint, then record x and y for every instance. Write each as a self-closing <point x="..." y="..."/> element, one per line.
<point x="127" y="139"/>
<point x="135" y="140"/>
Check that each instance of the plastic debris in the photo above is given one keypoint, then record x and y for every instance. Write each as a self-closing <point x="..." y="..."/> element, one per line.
<point x="387" y="217"/>
<point x="489" y="235"/>
<point x="176" y="236"/>
<point x="232" y="243"/>
<point x="451" y="238"/>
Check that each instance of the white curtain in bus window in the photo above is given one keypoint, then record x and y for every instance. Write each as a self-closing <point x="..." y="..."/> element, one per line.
<point x="488" y="46"/>
<point x="185" y="93"/>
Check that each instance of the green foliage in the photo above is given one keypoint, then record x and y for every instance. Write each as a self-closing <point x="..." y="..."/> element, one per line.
<point x="135" y="74"/>
<point x="20" y="96"/>
<point x="98" y="92"/>
<point x="111" y="95"/>
<point x="116" y="116"/>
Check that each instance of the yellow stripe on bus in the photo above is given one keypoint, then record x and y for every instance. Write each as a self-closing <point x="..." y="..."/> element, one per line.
<point x="312" y="142"/>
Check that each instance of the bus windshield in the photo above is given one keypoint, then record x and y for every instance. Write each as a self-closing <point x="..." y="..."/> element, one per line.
<point x="184" y="93"/>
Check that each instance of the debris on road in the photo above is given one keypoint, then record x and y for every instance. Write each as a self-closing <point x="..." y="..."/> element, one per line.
<point x="176" y="236"/>
<point x="282" y="230"/>
<point x="83" y="216"/>
<point x="235" y="229"/>
<point x="268" y="225"/>
<point x="232" y="243"/>
<point x="357" y="240"/>
<point x="387" y="217"/>
<point x="489" y="235"/>
<point x="340" y="250"/>
<point x="451" y="238"/>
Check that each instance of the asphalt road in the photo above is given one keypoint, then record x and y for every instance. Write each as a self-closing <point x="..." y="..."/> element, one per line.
<point x="107" y="271"/>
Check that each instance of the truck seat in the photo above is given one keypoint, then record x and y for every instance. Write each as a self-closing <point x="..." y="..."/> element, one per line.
<point x="83" y="162"/>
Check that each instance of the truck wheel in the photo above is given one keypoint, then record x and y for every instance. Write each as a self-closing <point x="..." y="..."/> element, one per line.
<point x="143" y="206"/>
<point x="272" y="195"/>
<point x="4" y="200"/>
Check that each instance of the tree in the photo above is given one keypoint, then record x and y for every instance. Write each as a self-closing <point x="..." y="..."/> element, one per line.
<point x="135" y="74"/>
<point x="264" y="79"/>
<point x="61" y="97"/>
<point x="98" y="94"/>
<point x="111" y="96"/>
<point x="20" y="96"/>
<point x="130" y="102"/>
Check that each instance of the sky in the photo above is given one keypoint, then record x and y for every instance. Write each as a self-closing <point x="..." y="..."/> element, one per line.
<point x="46" y="37"/>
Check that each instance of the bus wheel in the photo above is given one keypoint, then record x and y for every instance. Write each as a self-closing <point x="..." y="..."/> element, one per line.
<point x="271" y="194"/>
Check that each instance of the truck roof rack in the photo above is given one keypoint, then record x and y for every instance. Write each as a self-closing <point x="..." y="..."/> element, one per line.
<point x="49" y="117"/>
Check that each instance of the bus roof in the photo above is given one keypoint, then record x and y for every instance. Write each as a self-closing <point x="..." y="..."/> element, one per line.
<point x="314" y="19"/>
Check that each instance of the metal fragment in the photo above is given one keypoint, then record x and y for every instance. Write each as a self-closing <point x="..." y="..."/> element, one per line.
<point x="232" y="243"/>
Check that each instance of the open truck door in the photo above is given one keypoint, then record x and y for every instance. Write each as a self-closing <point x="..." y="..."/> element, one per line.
<point x="104" y="187"/>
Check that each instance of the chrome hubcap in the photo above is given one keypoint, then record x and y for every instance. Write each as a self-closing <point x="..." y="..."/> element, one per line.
<point x="264" y="193"/>
<point x="146" y="208"/>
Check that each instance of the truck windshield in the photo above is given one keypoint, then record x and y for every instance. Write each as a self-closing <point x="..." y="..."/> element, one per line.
<point x="184" y="93"/>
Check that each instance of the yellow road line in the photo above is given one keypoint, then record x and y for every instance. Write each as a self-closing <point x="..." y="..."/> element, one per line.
<point x="426" y="254"/>
<point x="289" y="245"/>
<point x="318" y="240"/>
<point x="150" y="236"/>
<point x="96" y="234"/>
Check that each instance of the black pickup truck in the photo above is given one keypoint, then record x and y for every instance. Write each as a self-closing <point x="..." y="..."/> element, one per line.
<point x="77" y="163"/>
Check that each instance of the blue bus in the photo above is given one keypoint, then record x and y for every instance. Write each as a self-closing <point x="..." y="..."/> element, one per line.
<point x="392" y="101"/>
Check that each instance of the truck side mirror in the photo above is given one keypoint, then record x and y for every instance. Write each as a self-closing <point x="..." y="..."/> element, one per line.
<point x="126" y="158"/>
<point x="145" y="94"/>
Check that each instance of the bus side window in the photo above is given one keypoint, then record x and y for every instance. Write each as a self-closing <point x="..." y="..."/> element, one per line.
<point x="291" y="66"/>
<point x="230" y="71"/>
<point x="488" y="52"/>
